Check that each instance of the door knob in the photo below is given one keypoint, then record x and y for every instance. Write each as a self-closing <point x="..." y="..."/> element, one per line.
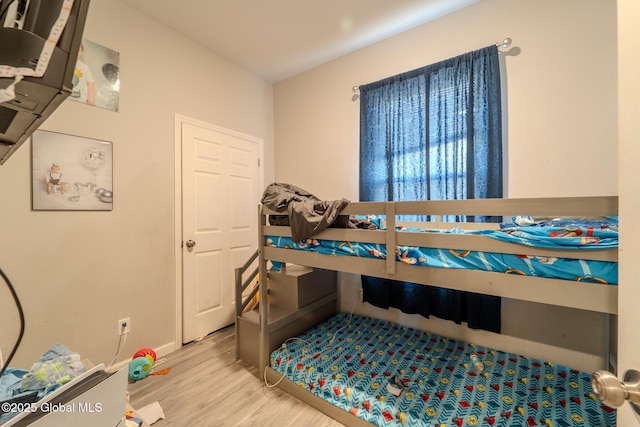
<point x="190" y="244"/>
<point x="613" y="392"/>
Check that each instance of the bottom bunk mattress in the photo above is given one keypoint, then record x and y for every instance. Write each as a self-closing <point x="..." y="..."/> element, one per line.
<point x="392" y="375"/>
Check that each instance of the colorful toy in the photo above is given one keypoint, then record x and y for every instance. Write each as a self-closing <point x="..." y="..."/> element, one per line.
<point x="141" y="364"/>
<point x="139" y="368"/>
<point x="148" y="353"/>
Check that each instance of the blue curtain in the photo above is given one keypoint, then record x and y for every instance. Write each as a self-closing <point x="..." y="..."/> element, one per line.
<point x="434" y="133"/>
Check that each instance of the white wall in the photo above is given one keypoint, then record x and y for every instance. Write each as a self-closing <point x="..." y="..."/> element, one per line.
<point x="561" y="135"/>
<point x="77" y="273"/>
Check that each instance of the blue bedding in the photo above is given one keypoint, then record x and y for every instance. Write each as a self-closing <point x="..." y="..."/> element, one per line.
<point x="391" y="375"/>
<point x="554" y="234"/>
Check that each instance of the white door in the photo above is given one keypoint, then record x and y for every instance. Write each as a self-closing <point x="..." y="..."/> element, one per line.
<point x="220" y="196"/>
<point x="629" y="202"/>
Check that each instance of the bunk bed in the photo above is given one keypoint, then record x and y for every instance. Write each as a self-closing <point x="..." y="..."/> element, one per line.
<point x="442" y="384"/>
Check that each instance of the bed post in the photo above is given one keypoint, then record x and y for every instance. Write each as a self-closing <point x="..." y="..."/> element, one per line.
<point x="263" y="346"/>
<point x="390" y="212"/>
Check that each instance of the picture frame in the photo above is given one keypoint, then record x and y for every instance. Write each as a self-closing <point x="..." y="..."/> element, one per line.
<point x="71" y="173"/>
<point x="96" y="77"/>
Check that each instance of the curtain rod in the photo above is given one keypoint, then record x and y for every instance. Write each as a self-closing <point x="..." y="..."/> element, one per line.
<point x="505" y="43"/>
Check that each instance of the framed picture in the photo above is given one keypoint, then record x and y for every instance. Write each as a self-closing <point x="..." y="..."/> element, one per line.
<point x="71" y="173"/>
<point x="96" y="78"/>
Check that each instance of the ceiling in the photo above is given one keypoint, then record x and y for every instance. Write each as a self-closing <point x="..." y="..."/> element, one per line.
<point x="276" y="39"/>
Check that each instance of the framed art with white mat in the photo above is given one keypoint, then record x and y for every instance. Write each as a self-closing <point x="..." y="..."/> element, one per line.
<point x="71" y="173"/>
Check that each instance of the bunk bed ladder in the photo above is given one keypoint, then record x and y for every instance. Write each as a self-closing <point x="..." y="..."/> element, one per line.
<point x="243" y="302"/>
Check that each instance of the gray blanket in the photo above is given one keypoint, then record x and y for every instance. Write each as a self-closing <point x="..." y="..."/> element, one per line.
<point x="307" y="214"/>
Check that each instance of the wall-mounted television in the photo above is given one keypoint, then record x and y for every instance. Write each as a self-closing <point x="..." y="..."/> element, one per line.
<point x="37" y="62"/>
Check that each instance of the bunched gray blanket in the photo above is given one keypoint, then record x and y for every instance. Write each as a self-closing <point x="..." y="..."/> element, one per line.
<point x="307" y="214"/>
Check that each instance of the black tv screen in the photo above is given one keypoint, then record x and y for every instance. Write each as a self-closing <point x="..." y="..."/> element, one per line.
<point x="29" y="46"/>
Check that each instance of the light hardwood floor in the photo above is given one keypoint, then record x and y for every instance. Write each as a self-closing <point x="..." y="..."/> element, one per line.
<point x="207" y="387"/>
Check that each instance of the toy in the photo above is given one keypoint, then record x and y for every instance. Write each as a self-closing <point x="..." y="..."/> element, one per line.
<point x="139" y="368"/>
<point x="141" y="364"/>
<point x="148" y="353"/>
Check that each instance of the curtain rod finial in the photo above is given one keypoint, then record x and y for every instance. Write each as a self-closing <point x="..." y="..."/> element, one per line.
<point x="504" y="43"/>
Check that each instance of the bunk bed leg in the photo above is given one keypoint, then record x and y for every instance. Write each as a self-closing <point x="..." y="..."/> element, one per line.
<point x="607" y="340"/>
<point x="238" y="288"/>
<point x="263" y="346"/>
<point x="611" y="354"/>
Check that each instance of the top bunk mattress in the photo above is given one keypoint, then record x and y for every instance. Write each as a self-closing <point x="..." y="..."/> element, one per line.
<point x="566" y="235"/>
<point x="392" y="375"/>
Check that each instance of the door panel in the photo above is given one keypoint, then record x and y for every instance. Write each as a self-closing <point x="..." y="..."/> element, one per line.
<point x="220" y="177"/>
<point x="208" y="267"/>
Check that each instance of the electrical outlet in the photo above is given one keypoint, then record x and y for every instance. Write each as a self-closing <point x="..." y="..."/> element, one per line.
<point x="124" y="326"/>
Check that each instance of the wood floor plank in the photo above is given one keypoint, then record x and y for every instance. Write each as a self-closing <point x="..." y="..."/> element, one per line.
<point x="207" y="387"/>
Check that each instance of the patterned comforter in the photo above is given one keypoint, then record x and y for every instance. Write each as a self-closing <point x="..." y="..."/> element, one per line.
<point x="579" y="235"/>
<point x="391" y="375"/>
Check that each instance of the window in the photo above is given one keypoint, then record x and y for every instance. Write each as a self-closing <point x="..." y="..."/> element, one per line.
<point x="434" y="133"/>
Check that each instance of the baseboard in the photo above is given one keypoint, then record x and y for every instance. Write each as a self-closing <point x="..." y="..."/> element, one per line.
<point x="166" y="349"/>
